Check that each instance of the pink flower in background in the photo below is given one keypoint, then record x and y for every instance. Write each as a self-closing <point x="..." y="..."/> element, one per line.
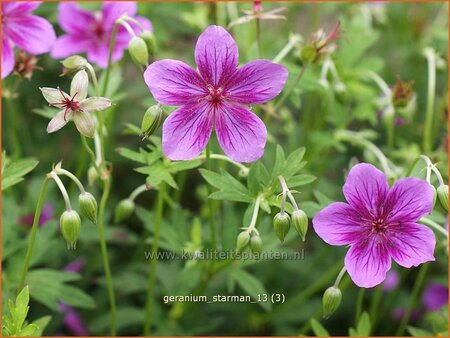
<point x="75" y="266"/>
<point x="391" y="281"/>
<point x="90" y="33"/>
<point x="73" y="321"/>
<point x="435" y="296"/>
<point x="21" y="29"/>
<point x="46" y="216"/>
<point x="379" y="224"/>
<point x="214" y="97"/>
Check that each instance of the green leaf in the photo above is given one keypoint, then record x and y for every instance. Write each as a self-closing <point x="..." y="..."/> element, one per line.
<point x="299" y="180"/>
<point x="418" y="332"/>
<point x="251" y="285"/>
<point x="14" y="171"/>
<point x="176" y="166"/>
<point x="133" y="155"/>
<point x="41" y="323"/>
<point x="30" y="330"/>
<point x="318" y="329"/>
<point x="363" y="327"/>
<point x="229" y="187"/>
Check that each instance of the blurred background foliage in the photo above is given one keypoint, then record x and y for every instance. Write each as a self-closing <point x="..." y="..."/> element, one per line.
<point x="385" y="38"/>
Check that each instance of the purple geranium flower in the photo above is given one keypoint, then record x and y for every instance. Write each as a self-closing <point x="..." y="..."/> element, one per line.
<point x="391" y="281"/>
<point x="90" y="33"/>
<point x="435" y="296"/>
<point x="379" y="224"/>
<point x="73" y="321"/>
<point x="215" y="96"/>
<point x="20" y="28"/>
<point x="46" y="216"/>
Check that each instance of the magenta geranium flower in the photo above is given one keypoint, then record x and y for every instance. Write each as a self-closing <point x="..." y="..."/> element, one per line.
<point x="435" y="296"/>
<point x="90" y="33"/>
<point x="215" y="96"/>
<point x="379" y="224"/>
<point x="20" y="28"/>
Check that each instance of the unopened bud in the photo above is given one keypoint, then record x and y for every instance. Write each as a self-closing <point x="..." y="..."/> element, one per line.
<point x="300" y="223"/>
<point x="331" y="301"/>
<point x="92" y="175"/>
<point x="138" y="51"/>
<point x="152" y="120"/>
<point x="124" y="210"/>
<point x="256" y="243"/>
<point x="74" y="63"/>
<point x="70" y="224"/>
<point x="308" y="54"/>
<point x="150" y="41"/>
<point x="434" y="195"/>
<point x="442" y="193"/>
<point x="88" y="206"/>
<point x="281" y="225"/>
<point x="242" y="240"/>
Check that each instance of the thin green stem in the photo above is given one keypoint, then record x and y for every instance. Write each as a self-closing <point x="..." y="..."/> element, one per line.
<point x="390" y="126"/>
<point x="139" y="190"/>
<point x="289" y="91"/>
<point x="90" y="152"/>
<point x="63" y="190"/>
<point x="293" y="40"/>
<point x="72" y="177"/>
<point x="252" y="225"/>
<point x="375" y="305"/>
<point x="287" y="192"/>
<point x="34" y="228"/>
<point x="427" y="135"/>
<point x="340" y="276"/>
<point x="258" y="37"/>
<point x="104" y="250"/>
<point x="242" y="167"/>
<point x="212" y="219"/>
<point x="413" y="299"/>
<point x="153" y="262"/>
<point x="111" y="49"/>
<point x="94" y="78"/>
<point x="434" y="225"/>
<point x="359" y="304"/>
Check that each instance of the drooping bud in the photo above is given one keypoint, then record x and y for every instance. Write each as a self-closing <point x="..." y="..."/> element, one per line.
<point x="331" y="301"/>
<point x="138" y="51"/>
<point x="256" y="243"/>
<point x="150" y="41"/>
<point x="70" y="224"/>
<point x="92" y="175"/>
<point x="442" y="193"/>
<point x="152" y="120"/>
<point x="124" y="210"/>
<point x="320" y="44"/>
<point x="73" y="63"/>
<point x="434" y="195"/>
<point x="242" y="240"/>
<point x="281" y="225"/>
<point x="88" y="206"/>
<point x="300" y="223"/>
<point x="308" y="54"/>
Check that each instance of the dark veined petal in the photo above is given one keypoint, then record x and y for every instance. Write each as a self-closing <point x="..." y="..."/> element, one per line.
<point x="187" y="131"/>
<point x="216" y="55"/>
<point x="174" y="83"/>
<point x="241" y="134"/>
<point x="256" y="82"/>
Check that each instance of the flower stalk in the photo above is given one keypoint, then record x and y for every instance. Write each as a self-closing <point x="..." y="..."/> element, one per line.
<point x="427" y="135"/>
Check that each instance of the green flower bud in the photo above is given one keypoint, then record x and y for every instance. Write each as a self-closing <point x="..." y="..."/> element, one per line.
<point x="88" y="206"/>
<point x="256" y="243"/>
<point x="434" y="195"/>
<point x="281" y="225"/>
<point x="74" y="63"/>
<point x="152" y="120"/>
<point x="138" y="51"/>
<point x="124" y="210"/>
<point x="331" y="301"/>
<point x="308" y="54"/>
<point x="70" y="224"/>
<point x="92" y="175"/>
<point x="242" y="240"/>
<point x="150" y="41"/>
<point x="442" y="193"/>
<point x="300" y="223"/>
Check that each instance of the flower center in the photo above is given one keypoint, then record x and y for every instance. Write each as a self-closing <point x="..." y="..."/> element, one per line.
<point x="67" y="103"/>
<point x="379" y="225"/>
<point x="215" y="95"/>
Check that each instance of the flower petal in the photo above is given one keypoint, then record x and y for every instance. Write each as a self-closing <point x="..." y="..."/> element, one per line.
<point x="84" y="123"/>
<point x="367" y="263"/>
<point x="74" y="19"/>
<point x="338" y="224"/>
<point x="53" y="95"/>
<point x="241" y="134"/>
<point x="365" y="189"/>
<point x="256" y="82"/>
<point x="187" y="131"/>
<point x="33" y="34"/>
<point x="113" y="10"/>
<point x="7" y="57"/>
<point x="409" y="199"/>
<point x="174" y="83"/>
<point x="411" y="244"/>
<point x="99" y="53"/>
<point x="94" y="104"/>
<point x="15" y="8"/>
<point x="216" y="55"/>
<point x="59" y="121"/>
<point x="79" y="85"/>
<point x="67" y="45"/>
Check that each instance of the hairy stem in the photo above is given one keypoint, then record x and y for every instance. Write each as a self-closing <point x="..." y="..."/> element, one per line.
<point x="34" y="228"/>
<point x="154" y="261"/>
